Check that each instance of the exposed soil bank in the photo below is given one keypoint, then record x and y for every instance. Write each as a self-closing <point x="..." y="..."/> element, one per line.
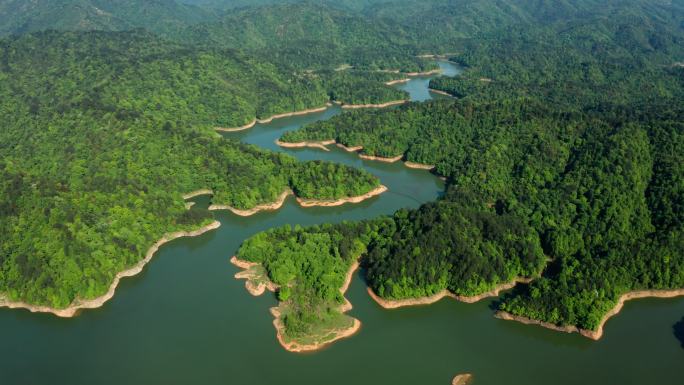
<point x="271" y="118"/>
<point x="462" y="379"/>
<point x="381" y="105"/>
<point x="393" y="304"/>
<point x="77" y="305"/>
<point x="265" y="207"/>
<point x="302" y="202"/>
<point x="295" y="347"/>
<point x="443" y="56"/>
<point x="427" y="73"/>
<point x="235" y="129"/>
<point x="331" y="203"/>
<point x="349" y="149"/>
<point x="197" y="193"/>
<point x="313" y="144"/>
<point x="321" y="144"/>
<point x="256" y="285"/>
<point x="419" y="166"/>
<point x="398" y="81"/>
<point x="381" y="159"/>
<point x="413" y="74"/>
<point x="598" y="333"/>
<point x="440" y="92"/>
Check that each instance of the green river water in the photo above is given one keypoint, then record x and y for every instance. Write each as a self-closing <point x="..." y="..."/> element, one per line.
<point x="186" y="320"/>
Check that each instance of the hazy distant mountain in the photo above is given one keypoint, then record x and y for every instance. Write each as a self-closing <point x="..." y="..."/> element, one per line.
<point x="228" y="4"/>
<point x="20" y="16"/>
<point x="306" y="35"/>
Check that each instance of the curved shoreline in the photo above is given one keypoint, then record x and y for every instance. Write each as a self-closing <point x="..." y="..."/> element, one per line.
<point x="398" y="81"/>
<point x="253" y="289"/>
<point x="428" y="300"/>
<point x="301" y="201"/>
<point x="419" y="166"/>
<point x="313" y="144"/>
<point x="321" y="144"/>
<point x="440" y="92"/>
<point x="462" y="379"/>
<point x="295" y="347"/>
<point x="263" y="207"/>
<point x="77" y="305"/>
<point x="261" y="287"/>
<point x="381" y="105"/>
<point x="426" y="73"/>
<point x="381" y="159"/>
<point x="349" y="149"/>
<point x="413" y="74"/>
<point x="197" y="193"/>
<point x="235" y="129"/>
<point x="273" y="117"/>
<point x="339" y="202"/>
<point x="598" y="333"/>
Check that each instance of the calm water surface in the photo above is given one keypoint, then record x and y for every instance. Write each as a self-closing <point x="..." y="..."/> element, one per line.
<point x="185" y="320"/>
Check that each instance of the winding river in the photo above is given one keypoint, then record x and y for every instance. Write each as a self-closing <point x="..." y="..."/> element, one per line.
<point x="185" y="320"/>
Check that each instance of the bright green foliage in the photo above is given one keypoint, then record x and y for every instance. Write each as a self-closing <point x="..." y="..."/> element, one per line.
<point x="101" y="135"/>
<point x="323" y="180"/>
<point x="449" y="245"/>
<point x="311" y="265"/>
<point x="362" y="87"/>
<point x="568" y="139"/>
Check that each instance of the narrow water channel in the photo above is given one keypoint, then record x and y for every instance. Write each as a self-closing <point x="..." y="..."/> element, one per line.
<point x="185" y="320"/>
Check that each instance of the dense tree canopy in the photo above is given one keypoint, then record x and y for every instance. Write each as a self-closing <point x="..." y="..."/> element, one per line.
<point x="566" y="144"/>
<point x="310" y="267"/>
<point x="563" y="152"/>
<point x="103" y="133"/>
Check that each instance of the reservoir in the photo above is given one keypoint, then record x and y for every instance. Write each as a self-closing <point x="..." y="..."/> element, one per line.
<point x="186" y="320"/>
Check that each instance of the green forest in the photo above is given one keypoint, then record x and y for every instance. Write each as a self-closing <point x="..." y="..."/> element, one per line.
<point x="563" y="154"/>
<point x="102" y="135"/>
<point x="310" y="266"/>
<point x="562" y="149"/>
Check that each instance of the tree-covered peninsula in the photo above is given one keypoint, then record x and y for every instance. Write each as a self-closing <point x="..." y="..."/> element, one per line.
<point x="311" y="269"/>
<point x="563" y="159"/>
<point x="103" y="134"/>
<point x="562" y="149"/>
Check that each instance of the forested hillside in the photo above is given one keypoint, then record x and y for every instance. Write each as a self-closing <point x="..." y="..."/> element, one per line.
<point x="567" y="139"/>
<point x="562" y="152"/>
<point x="310" y="267"/>
<point x="102" y="135"/>
<point x="312" y="36"/>
<point x="23" y="16"/>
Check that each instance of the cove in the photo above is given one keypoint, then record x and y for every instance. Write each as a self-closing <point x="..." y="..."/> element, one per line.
<point x="186" y="320"/>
